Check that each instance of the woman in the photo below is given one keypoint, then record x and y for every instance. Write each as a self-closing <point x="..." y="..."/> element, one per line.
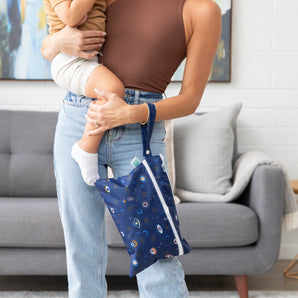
<point x="146" y="40"/>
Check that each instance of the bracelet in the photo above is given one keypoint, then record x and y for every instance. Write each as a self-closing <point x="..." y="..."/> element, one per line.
<point x="143" y="123"/>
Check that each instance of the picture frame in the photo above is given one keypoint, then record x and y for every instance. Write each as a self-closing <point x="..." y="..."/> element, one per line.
<point x="221" y="68"/>
<point x="23" y="26"/>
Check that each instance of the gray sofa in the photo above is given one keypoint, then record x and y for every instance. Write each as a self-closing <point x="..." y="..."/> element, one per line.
<point x="238" y="238"/>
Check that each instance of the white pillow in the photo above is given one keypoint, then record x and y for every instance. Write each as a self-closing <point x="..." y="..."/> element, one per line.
<point x="170" y="155"/>
<point x="204" y="147"/>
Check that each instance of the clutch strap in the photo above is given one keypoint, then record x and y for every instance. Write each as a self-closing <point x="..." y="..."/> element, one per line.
<point x="147" y="130"/>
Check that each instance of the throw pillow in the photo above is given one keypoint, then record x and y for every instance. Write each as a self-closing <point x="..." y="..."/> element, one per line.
<point x="170" y="155"/>
<point x="204" y="147"/>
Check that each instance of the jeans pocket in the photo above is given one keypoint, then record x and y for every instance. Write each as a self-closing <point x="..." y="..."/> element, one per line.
<point x="82" y="103"/>
<point x="77" y="100"/>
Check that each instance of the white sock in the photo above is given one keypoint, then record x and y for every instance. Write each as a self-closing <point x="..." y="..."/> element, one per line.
<point x="88" y="163"/>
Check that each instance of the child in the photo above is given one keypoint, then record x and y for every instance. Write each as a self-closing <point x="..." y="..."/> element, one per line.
<point x="79" y="75"/>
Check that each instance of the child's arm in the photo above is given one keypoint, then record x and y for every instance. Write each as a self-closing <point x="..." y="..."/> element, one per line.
<point x="73" y="12"/>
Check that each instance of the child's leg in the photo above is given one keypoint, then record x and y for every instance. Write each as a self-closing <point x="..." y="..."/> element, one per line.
<point x="85" y="151"/>
<point x="102" y="78"/>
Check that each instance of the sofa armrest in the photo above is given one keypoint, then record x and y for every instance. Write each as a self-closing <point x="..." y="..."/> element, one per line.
<point x="264" y="195"/>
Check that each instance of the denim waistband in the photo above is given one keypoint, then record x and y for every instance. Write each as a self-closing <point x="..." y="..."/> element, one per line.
<point x="133" y="97"/>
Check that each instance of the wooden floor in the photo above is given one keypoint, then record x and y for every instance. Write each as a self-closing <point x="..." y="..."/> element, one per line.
<point x="272" y="280"/>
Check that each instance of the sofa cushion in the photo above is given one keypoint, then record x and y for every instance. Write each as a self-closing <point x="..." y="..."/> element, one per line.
<point x="30" y="222"/>
<point x="204" y="150"/>
<point x="207" y="225"/>
<point x="26" y="153"/>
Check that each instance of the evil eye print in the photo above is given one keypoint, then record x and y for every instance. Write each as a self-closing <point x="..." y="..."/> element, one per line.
<point x="142" y="178"/>
<point x="124" y="201"/>
<point x="130" y="199"/>
<point x="159" y="229"/>
<point x="175" y="241"/>
<point x="133" y="243"/>
<point x="163" y="167"/>
<point x="112" y="210"/>
<point x="145" y="204"/>
<point x="140" y="211"/>
<point x="107" y="189"/>
<point x="153" y="251"/>
<point x="136" y="223"/>
<point x="135" y="262"/>
<point x="145" y="232"/>
<point x="122" y="233"/>
<point x="169" y="256"/>
<point x="176" y="217"/>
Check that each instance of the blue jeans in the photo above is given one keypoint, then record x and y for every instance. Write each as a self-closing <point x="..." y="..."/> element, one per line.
<point x="82" y="208"/>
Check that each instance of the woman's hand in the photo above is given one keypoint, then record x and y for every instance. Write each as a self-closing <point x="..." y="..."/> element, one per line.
<point x="76" y="42"/>
<point x="114" y="112"/>
<point x="73" y="41"/>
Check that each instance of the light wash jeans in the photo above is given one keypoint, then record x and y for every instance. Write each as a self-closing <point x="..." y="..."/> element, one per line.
<point x="82" y="208"/>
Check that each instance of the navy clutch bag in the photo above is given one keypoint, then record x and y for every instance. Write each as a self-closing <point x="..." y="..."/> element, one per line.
<point x="143" y="208"/>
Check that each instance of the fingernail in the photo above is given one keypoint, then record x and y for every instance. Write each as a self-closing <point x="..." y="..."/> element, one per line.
<point x="104" y="33"/>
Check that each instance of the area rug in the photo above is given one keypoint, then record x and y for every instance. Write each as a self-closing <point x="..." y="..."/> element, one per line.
<point x="134" y="294"/>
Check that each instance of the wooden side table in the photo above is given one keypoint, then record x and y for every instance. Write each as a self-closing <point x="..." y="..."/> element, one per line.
<point x="294" y="184"/>
<point x="287" y="272"/>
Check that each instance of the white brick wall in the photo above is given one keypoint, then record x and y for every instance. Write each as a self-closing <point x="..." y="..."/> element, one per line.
<point x="30" y="95"/>
<point x="264" y="79"/>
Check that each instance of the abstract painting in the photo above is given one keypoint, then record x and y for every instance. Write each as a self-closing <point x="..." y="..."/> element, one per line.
<point x="221" y="68"/>
<point x="22" y="29"/>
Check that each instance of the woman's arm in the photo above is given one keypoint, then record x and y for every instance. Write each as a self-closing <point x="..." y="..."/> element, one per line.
<point x="73" y="12"/>
<point x="203" y="29"/>
<point x="203" y="25"/>
<point x="72" y="41"/>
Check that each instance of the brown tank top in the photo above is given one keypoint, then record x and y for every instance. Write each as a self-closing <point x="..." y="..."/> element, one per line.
<point x="145" y="42"/>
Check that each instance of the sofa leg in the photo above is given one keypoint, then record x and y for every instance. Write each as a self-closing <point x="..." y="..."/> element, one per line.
<point x="241" y="285"/>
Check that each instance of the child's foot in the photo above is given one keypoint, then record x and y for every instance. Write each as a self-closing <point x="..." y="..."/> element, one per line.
<point x="88" y="163"/>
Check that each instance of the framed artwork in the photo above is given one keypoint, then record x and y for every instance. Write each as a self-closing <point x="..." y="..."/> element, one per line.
<point x="23" y="27"/>
<point x="221" y="68"/>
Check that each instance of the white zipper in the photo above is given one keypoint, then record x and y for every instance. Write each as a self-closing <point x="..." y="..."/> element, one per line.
<point x="165" y="207"/>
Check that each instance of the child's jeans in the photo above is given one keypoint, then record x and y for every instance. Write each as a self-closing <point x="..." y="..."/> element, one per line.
<point x="82" y="208"/>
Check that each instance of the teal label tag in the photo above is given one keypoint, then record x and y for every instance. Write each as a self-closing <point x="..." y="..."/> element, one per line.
<point x="135" y="162"/>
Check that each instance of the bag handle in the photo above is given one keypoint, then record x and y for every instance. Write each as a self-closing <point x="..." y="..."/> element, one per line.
<point x="147" y="129"/>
